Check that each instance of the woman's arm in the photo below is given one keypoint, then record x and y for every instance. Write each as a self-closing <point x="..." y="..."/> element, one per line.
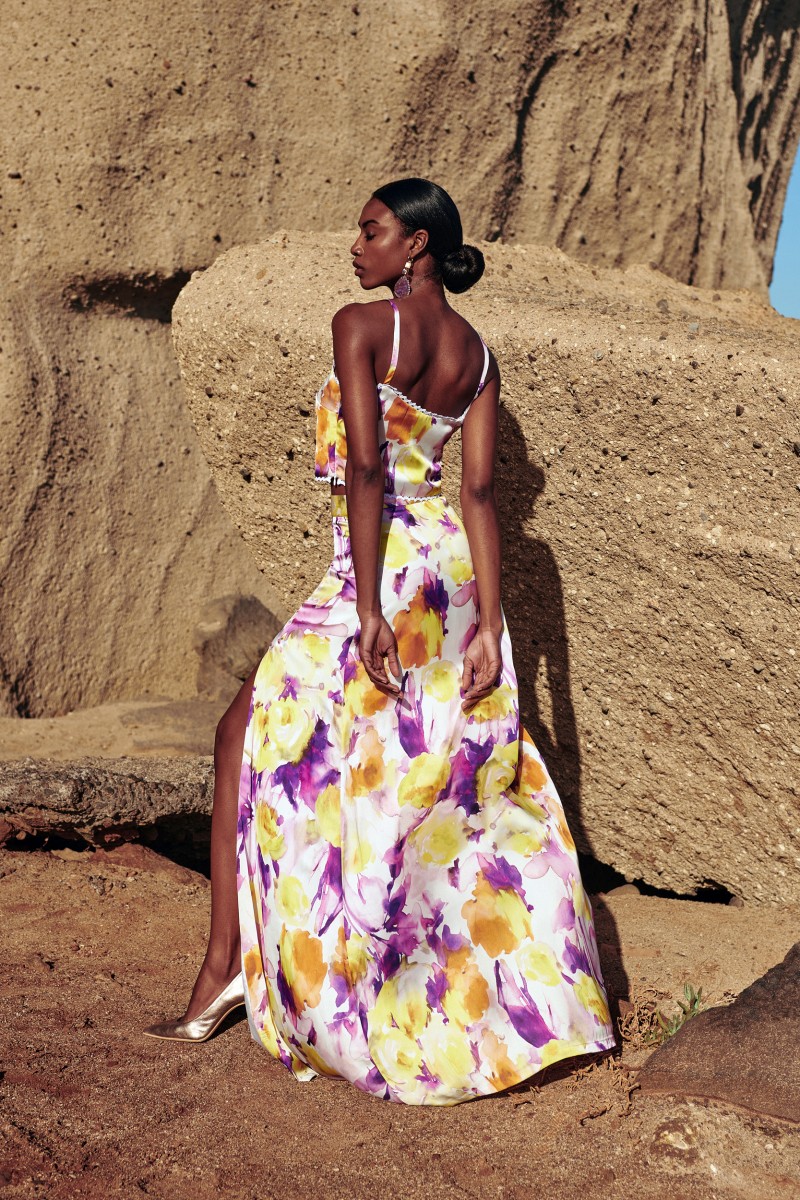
<point x="482" y="660"/>
<point x="353" y="351"/>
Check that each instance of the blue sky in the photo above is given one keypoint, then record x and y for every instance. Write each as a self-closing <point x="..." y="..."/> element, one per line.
<point x="784" y="292"/>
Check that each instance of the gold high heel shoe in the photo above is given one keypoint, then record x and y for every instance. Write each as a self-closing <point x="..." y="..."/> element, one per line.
<point x="202" y="1026"/>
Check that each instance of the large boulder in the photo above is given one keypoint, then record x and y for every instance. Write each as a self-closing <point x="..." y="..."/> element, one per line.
<point x="139" y="141"/>
<point x="744" y="1053"/>
<point x="648" y="485"/>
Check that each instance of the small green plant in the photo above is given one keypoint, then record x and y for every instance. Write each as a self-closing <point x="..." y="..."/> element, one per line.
<point x="690" y="1006"/>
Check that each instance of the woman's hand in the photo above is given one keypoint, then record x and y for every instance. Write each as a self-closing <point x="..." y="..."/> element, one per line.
<point x="483" y="663"/>
<point x="376" y="642"/>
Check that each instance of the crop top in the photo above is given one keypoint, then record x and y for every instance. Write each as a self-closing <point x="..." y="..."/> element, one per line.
<point x="411" y="438"/>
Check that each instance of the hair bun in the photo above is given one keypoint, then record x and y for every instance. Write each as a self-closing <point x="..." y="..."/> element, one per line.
<point x="461" y="268"/>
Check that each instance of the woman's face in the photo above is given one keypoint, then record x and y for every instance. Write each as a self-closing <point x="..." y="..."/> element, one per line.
<point x="380" y="250"/>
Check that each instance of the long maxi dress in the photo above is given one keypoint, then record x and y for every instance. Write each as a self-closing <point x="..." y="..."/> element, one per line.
<point x="411" y="907"/>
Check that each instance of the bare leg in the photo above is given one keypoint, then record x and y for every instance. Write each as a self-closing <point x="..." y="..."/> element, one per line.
<point x="222" y="960"/>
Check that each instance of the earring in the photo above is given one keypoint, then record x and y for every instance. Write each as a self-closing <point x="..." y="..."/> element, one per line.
<point x="403" y="285"/>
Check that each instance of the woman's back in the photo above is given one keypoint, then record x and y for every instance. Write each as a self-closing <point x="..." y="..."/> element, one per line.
<point x="418" y="419"/>
<point x="442" y="358"/>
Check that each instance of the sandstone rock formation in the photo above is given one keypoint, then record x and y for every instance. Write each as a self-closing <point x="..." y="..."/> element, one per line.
<point x="649" y="494"/>
<point x="231" y="636"/>
<point x="138" y="142"/>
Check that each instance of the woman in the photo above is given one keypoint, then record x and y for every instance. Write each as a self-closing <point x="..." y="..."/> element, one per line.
<point x="410" y="910"/>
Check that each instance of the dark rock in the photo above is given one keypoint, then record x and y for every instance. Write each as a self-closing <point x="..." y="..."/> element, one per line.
<point x="104" y="802"/>
<point x="744" y="1054"/>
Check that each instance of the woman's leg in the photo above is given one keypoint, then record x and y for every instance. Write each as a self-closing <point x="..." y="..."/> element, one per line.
<point x="222" y="960"/>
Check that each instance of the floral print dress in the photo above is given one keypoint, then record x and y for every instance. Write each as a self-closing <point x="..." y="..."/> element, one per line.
<point x="411" y="907"/>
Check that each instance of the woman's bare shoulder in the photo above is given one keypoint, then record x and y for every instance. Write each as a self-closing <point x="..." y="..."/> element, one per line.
<point x="359" y="314"/>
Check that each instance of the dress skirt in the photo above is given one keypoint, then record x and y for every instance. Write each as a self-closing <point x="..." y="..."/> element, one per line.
<point x="411" y="908"/>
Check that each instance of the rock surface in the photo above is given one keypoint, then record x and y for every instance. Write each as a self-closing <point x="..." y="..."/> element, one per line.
<point x="230" y="639"/>
<point x="104" y="802"/>
<point x="744" y="1053"/>
<point x="98" y="947"/>
<point x="137" y="143"/>
<point x="648" y="486"/>
<point x="131" y="729"/>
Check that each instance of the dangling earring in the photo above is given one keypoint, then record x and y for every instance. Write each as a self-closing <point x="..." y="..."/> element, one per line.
<point x="403" y="285"/>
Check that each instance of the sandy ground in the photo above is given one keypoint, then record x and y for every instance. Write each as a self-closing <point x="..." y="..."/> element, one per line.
<point x="96" y="946"/>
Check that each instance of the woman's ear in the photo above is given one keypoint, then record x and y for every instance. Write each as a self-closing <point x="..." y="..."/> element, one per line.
<point x="420" y="241"/>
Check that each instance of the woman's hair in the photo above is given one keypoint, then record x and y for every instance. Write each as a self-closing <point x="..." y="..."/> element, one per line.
<point x="420" y="204"/>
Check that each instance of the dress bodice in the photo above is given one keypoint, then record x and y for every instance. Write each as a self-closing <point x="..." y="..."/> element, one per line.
<point x="412" y="438"/>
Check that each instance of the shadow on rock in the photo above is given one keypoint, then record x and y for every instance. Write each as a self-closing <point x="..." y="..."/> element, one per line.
<point x="534" y="608"/>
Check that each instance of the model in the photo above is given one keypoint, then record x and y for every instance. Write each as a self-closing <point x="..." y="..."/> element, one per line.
<point x="396" y="895"/>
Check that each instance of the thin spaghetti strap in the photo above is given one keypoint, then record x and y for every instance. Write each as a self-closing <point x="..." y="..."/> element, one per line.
<point x="485" y="369"/>
<point x="395" y="343"/>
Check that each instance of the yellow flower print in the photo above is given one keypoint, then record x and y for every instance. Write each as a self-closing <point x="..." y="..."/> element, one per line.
<point x="291" y="900"/>
<point x="394" y="1024"/>
<point x="398" y="549"/>
<point x="289" y="725"/>
<point x="580" y="902"/>
<point x="562" y="828"/>
<point x="317" y="1062"/>
<point x="352" y="956"/>
<point x="537" y="961"/>
<point x="328" y="814"/>
<point x="367" y="776"/>
<point x="411" y="465"/>
<point x="467" y="995"/>
<point x="531" y="806"/>
<point x="497" y="773"/>
<point x="440" y="837"/>
<point x="419" y="632"/>
<point x="405" y="424"/>
<point x="303" y="653"/>
<point x="329" y="424"/>
<point x="271" y="674"/>
<point x="303" y="966"/>
<point x="497" y="920"/>
<point x="527" y="843"/>
<point x="357" y="851"/>
<point x="495" y="706"/>
<point x="268" y="1036"/>
<point x="268" y="834"/>
<point x="553" y="1051"/>
<point x="590" y="997"/>
<point x="402" y="1002"/>
<point x="425" y="778"/>
<point x="328" y="587"/>
<point x="460" y="570"/>
<point x="495" y="1053"/>
<point x="532" y="775"/>
<point x="361" y="696"/>
<point x="253" y="970"/>
<point x="441" y="679"/>
<point x="395" y="1053"/>
<point x="446" y="1050"/>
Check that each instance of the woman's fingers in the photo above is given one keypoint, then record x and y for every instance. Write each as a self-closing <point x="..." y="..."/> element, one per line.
<point x="485" y="681"/>
<point x="378" y="651"/>
<point x="393" y="660"/>
<point x="376" y="670"/>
